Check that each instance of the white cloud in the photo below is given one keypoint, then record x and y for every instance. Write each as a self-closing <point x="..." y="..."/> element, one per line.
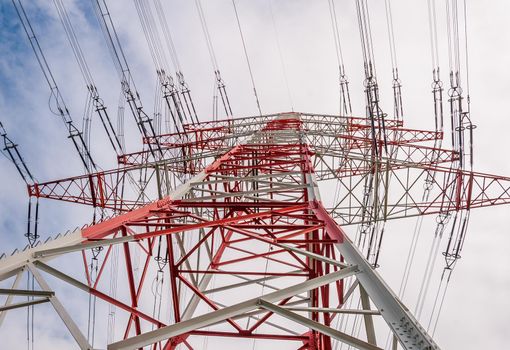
<point x="481" y="278"/>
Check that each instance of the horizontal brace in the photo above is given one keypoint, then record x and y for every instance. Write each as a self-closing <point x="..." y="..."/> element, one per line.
<point x="262" y="203"/>
<point x="319" y="327"/>
<point x="333" y="310"/>
<point x="223" y="178"/>
<point x="24" y="304"/>
<point x="26" y="292"/>
<point x="300" y="338"/>
<point x="263" y="311"/>
<point x="242" y="284"/>
<point x="251" y="273"/>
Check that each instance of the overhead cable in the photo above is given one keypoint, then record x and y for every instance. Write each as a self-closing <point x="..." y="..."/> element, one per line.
<point x="143" y="121"/>
<point x="247" y="57"/>
<point x="60" y="107"/>
<point x="396" y="83"/>
<point x="345" y="98"/>
<point x="170" y="93"/>
<point x="185" y="92"/>
<point x="219" y="80"/>
<point x="280" y="54"/>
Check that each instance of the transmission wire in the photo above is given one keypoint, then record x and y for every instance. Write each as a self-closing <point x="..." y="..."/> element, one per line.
<point x="62" y="111"/>
<point x="12" y="153"/>
<point x="280" y="54"/>
<point x="210" y="47"/>
<point x="247" y="57"/>
<point x="345" y="99"/>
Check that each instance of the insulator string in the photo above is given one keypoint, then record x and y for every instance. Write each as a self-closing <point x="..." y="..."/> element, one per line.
<point x="345" y="98"/>
<point x="61" y="109"/>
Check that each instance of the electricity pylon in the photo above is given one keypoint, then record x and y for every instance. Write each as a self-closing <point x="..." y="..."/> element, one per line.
<point x="245" y="245"/>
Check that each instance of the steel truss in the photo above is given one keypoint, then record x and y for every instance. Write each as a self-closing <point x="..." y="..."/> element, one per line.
<point x="246" y="243"/>
<point x="339" y="147"/>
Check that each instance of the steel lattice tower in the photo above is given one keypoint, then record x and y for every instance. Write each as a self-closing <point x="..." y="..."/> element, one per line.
<point x="247" y="246"/>
<point x="218" y="230"/>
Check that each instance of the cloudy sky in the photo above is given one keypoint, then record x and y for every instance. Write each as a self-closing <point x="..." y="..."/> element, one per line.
<point x="477" y="307"/>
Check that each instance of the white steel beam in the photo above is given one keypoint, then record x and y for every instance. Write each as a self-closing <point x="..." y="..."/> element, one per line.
<point x="8" y="301"/>
<point x="13" y="263"/>
<point x="230" y="311"/>
<point x="61" y="311"/>
<point x="247" y="281"/>
<point x="23" y="304"/>
<point x="256" y="318"/>
<point x="27" y="292"/>
<point x="332" y="310"/>
<point x="319" y="327"/>
<point x="369" y="321"/>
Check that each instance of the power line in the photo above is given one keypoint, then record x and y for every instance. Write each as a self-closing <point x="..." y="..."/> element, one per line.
<point x="280" y="54"/>
<point x="345" y="98"/>
<point x="396" y="83"/>
<point x="12" y="153"/>
<point x="185" y="92"/>
<point x="74" y="133"/>
<point x="219" y="80"/>
<point x="154" y="42"/>
<point x="247" y="57"/>
<point x="143" y="121"/>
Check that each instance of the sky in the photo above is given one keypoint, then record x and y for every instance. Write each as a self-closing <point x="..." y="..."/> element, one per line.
<point x="477" y="307"/>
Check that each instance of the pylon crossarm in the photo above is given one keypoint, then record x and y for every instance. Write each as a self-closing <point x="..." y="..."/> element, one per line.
<point x="336" y="156"/>
<point x="401" y="193"/>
